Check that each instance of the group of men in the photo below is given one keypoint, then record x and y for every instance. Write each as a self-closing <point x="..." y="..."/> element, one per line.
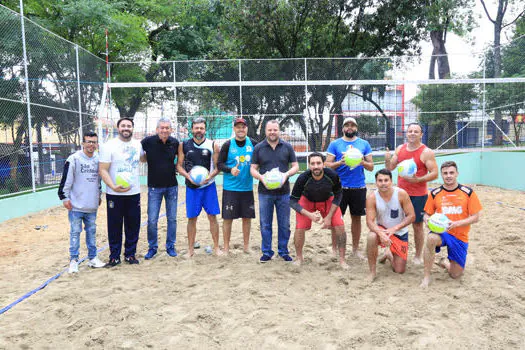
<point x="321" y="194"/>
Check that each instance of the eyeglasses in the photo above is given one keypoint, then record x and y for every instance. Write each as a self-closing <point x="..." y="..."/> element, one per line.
<point x="91" y="142"/>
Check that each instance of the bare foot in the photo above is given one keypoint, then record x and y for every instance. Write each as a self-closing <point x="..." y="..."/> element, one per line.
<point x="344" y="265"/>
<point x="218" y="251"/>
<point x="371" y="277"/>
<point x="417" y="260"/>
<point x="190" y="253"/>
<point x="442" y="261"/>
<point x="297" y="262"/>
<point x="335" y="252"/>
<point x="358" y="254"/>
<point x="425" y="282"/>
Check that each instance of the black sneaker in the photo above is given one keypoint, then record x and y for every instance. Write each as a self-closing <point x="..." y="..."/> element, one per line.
<point x="131" y="260"/>
<point x="113" y="262"/>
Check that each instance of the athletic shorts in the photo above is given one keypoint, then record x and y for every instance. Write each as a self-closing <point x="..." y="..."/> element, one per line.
<point x="198" y="198"/>
<point x="304" y="222"/>
<point x="457" y="250"/>
<point x="237" y="205"/>
<point x="419" y="205"/>
<point x="398" y="245"/>
<point x="355" y="199"/>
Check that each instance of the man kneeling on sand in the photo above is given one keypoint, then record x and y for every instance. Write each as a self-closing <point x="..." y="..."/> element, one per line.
<point x="389" y="211"/>
<point x="315" y="197"/>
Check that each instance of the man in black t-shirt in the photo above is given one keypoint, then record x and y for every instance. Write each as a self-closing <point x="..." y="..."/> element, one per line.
<point x="316" y="196"/>
<point x="161" y="150"/>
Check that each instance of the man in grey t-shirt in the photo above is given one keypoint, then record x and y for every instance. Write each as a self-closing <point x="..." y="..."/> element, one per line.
<point x="79" y="191"/>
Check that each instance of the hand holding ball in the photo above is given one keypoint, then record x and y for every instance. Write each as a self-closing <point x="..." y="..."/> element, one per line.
<point x="199" y="174"/>
<point x="124" y="179"/>
<point x="273" y="179"/>
<point x="352" y="157"/>
<point x="407" y="168"/>
<point x="438" y="223"/>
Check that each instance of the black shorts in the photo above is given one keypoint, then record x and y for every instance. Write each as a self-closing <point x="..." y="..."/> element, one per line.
<point x="419" y="206"/>
<point x="355" y="199"/>
<point x="237" y="205"/>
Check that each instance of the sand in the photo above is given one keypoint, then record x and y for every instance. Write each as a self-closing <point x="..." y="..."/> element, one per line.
<point x="234" y="302"/>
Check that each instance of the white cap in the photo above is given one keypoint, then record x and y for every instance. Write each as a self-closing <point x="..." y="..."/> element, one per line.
<point x="349" y="120"/>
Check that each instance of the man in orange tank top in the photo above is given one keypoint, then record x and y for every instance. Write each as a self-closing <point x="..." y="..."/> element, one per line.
<point x="416" y="186"/>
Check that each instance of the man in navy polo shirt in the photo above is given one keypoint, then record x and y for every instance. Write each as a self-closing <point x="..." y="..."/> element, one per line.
<point x="267" y="155"/>
<point x="352" y="179"/>
<point x="161" y="150"/>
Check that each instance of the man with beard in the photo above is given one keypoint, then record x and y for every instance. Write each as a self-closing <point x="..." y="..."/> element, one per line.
<point x="352" y="179"/>
<point x="272" y="153"/>
<point x="203" y="152"/>
<point x="119" y="159"/>
<point x="388" y="213"/>
<point x="161" y="150"/>
<point x="416" y="186"/>
<point x="237" y="195"/>
<point x="315" y="197"/>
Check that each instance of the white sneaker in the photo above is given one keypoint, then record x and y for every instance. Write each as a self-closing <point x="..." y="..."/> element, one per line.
<point x="95" y="263"/>
<point x="73" y="266"/>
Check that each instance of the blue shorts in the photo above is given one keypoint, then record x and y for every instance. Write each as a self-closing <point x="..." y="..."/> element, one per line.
<point x="198" y="198"/>
<point x="457" y="250"/>
<point x="419" y="205"/>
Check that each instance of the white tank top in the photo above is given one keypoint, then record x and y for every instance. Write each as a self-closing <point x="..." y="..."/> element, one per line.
<point x="390" y="213"/>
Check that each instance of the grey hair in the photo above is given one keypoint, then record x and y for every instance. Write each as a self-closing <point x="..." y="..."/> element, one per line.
<point x="163" y="120"/>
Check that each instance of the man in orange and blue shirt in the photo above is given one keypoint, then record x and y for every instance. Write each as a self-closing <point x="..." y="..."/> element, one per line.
<point x="462" y="206"/>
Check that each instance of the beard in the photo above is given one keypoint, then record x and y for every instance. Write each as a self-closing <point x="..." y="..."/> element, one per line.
<point x="199" y="136"/>
<point x="317" y="172"/>
<point x="350" y="134"/>
<point x="126" y="134"/>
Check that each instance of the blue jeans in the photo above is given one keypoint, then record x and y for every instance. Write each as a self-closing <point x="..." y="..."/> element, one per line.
<point x="281" y="202"/>
<point x="75" y="222"/>
<point x="155" y="195"/>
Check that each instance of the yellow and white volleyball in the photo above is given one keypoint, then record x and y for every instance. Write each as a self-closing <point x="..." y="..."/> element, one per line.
<point x="407" y="168"/>
<point x="124" y="179"/>
<point x="273" y="179"/>
<point x="199" y="174"/>
<point x="438" y="223"/>
<point x="352" y="157"/>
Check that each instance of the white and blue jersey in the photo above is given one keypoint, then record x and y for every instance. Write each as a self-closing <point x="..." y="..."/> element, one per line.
<point x="242" y="157"/>
<point x="350" y="178"/>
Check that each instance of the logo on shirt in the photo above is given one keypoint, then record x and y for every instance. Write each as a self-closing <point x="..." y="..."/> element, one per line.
<point x="248" y="148"/>
<point x="452" y="210"/>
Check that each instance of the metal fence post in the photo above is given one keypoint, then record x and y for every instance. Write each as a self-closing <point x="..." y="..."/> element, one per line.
<point x="176" y="105"/>
<point x="306" y="105"/>
<point x="240" y="87"/>
<point x="28" y="99"/>
<point x="483" y="105"/>
<point x="80" y="131"/>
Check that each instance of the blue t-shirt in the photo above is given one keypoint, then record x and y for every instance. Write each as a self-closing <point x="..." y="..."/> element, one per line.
<point x="243" y="157"/>
<point x="351" y="178"/>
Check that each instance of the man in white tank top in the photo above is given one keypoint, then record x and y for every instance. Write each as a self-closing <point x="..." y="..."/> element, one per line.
<point x="389" y="211"/>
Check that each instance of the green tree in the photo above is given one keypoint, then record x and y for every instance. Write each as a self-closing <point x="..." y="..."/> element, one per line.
<point x="441" y="106"/>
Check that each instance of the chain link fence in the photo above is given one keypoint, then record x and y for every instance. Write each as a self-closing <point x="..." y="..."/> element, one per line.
<point x="51" y="91"/>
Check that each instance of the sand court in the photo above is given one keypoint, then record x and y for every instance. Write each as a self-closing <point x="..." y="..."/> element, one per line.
<point x="234" y="302"/>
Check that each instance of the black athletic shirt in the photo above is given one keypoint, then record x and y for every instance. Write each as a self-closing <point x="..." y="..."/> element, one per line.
<point x="316" y="190"/>
<point x="161" y="160"/>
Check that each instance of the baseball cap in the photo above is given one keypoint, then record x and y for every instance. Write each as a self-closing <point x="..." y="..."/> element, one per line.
<point x="349" y="120"/>
<point x="239" y="120"/>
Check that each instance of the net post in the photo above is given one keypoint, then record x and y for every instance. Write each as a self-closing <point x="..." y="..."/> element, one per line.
<point x="28" y="98"/>
<point x="80" y="131"/>
<point x="176" y="105"/>
<point x="306" y="121"/>
<point x="240" y="87"/>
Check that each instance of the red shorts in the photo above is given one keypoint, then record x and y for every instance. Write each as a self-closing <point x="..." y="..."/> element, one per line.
<point x="398" y="246"/>
<point x="304" y="222"/>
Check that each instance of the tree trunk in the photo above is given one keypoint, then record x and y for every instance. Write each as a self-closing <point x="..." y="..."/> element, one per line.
<point x="498" y="23"/>
<point x="439" y="54"/>
<point x="41" y="175"/>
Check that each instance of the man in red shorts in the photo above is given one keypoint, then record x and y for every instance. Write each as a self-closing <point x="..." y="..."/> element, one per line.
<point x="316" y="196"/>
<point x="416" y="186"/>
<point x="462" y="206"/>
<point x="389" y="211"/>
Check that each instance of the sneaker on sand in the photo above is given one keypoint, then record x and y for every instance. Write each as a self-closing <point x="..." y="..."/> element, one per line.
<point x="171" y="251"/>
<point x="150" y="254"/>
<point x="113" y="262"/>
<point x="95" y="263"/>
<point x="73" y="266"/>
<point x="286" y="257"/>
<point x="265" y="258"/>
<point x="131" y="260"/>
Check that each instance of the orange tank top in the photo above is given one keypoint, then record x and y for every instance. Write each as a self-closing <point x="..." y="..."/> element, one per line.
<point x="416" y="189"/>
